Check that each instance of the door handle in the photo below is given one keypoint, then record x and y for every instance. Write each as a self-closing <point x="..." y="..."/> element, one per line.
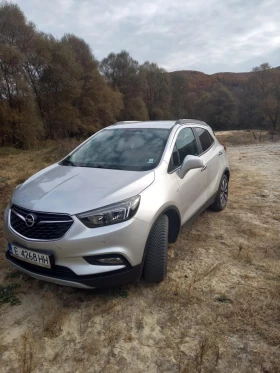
<point x="220" y="152"/>
<point x="203" y="168"/>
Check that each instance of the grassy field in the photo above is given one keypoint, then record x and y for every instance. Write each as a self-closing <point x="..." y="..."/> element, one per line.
<point x="217" y="311"/>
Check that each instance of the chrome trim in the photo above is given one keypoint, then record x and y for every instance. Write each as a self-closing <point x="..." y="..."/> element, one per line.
<point x="55" y="221"/>
<point x="40" y="212"/>
<point x="51" y="279"/>
<point x="20" y="216"/>
<point x="33" y="239"/>
<point x="213" y="143"/>
<point x="203" y="168"/>
<point x="176" y="169"/>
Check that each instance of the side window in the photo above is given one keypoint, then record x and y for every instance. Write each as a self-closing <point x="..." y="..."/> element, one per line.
<point x="174" y="160"/>
<point x="185" y="145"/>
<point x="206" y="140"/>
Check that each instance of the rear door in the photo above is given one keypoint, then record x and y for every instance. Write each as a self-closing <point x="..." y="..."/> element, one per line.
<point x="193" y="186"/>
<point x="211" y="152"/>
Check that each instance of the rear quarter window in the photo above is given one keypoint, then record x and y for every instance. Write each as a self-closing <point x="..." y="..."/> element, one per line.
<point x="206" y="140"/>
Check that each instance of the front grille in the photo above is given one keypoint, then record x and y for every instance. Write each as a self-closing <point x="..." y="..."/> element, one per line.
<point x="48" y="226"/>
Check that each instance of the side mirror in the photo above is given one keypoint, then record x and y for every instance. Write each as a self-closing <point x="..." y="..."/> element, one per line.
<point x="189" y="163"/>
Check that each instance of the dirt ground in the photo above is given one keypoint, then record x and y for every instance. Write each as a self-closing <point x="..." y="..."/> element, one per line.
<point x="217" y="311"/>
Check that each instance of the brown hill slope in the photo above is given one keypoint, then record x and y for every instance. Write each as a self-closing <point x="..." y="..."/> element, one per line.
<point x="200" y="82"/>
<point x="204" y="82"/>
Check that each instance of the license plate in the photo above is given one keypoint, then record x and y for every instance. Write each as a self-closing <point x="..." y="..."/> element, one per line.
<point x="30" y="256"/>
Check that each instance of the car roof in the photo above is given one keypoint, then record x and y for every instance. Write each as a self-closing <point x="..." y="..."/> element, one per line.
<point x="168" y="124"/>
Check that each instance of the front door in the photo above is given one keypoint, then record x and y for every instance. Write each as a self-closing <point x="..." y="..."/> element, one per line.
<point x="193" y="186"/>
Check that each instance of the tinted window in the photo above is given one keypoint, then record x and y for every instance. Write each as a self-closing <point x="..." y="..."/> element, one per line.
<point x="185" y="145"/>
<point x="174" y="161"/>
<point x="124" y="149"/>
<point x="205" y="138"/>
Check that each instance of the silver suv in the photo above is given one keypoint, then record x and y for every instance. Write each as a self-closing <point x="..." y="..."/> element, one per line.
<point x="105" y="214"/>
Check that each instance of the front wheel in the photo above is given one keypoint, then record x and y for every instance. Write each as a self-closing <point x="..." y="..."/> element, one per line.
<point x="222" y="195"/>
<point x="155" y="267"/>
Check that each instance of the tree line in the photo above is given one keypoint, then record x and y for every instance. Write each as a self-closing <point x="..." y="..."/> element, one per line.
<point x="53" y="89"/>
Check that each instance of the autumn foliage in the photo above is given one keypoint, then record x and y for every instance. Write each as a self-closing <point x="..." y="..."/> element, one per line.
<point x="54" y="89"/>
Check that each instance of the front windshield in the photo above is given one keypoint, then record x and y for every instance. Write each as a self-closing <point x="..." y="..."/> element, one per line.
<point x="123" y="149"/>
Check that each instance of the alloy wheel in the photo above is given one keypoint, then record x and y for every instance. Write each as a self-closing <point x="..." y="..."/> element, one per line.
<point x="224" y="192"/>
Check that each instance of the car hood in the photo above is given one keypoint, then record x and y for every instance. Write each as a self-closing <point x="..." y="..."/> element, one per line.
<point x="66" y="189"/>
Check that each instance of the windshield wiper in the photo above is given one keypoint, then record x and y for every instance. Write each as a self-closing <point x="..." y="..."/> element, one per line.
<point x="116" y="168"/>
<point x="67" y="160"/>
<point x="104" y="166"/>
<point x="99" y="166"/>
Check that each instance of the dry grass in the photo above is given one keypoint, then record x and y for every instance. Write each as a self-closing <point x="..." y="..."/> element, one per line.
<point x="26" y="353"/>
<point x="247" y="137"/>
<point x="52" y="316"/>
<point x="218" y="310"/>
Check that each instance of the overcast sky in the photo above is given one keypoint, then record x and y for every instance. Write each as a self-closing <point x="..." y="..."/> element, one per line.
<point x="204" y="35"/>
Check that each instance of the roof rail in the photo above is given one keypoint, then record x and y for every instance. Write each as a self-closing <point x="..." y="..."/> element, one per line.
<point x="126" y="122"/>
<point x="185" y="121"/>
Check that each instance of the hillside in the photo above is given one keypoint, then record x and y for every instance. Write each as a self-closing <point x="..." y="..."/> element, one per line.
<point x="200" y="82"/>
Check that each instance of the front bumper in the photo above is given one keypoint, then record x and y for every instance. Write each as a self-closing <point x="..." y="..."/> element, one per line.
<point x="127" y="239"/>
<point x="108" y="279"/>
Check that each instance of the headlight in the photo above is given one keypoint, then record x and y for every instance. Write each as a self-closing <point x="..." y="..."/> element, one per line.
<point x="112" y="214"/>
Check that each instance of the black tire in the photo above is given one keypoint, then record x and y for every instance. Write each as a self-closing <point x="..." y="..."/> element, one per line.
<point x="155" y="267"/>
<point x="222" y="195"/>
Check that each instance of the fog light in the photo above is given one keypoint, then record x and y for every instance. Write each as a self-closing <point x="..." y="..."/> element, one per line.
<point x="111" y="260"/>
<point x="107" y="259"/>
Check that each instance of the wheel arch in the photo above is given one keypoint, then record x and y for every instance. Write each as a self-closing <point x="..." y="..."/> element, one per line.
<point x="227" y="173"/>
<point x="174" y="226"/>
<point x="174" y="220"/>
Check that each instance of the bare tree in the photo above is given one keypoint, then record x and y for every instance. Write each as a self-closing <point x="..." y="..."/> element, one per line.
<point x="269" y="83"/>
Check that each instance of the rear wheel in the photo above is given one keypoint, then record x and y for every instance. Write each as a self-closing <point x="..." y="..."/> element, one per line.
<point x="155" y="267"/>
<point x="222" y="195"/>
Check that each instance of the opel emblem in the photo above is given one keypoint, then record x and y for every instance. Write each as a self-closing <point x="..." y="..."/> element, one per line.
<point x="30" y="220"/>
